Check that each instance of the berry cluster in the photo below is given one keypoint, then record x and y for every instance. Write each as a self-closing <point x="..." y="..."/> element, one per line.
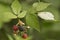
<point x="20" y="27"/>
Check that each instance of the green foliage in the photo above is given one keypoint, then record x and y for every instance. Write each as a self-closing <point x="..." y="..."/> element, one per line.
<point x="2" y="12"/>
<point x="54" y="11"/>
<point x="32" y="20"/>
<point x="6" y="14"/>
<point x="16" y="7"/>
<point x="22" y="14"/>
<point x="31" y="10"/>
<point x="6" y="1"/>
<point x="40" y="6"/>
<point x="9" y="16"/>
<point x="9" y="36"/>
<point x="23" y="9"/>
<point x="55" y="3"/>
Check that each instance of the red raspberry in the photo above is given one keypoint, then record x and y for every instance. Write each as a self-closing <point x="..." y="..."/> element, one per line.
<point x="24" y="36"/>
<point x="15" y="28"/>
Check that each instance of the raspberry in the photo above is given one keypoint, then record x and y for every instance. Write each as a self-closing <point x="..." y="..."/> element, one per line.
<point x="24" y="36"/>
<point x="15" y="28"/>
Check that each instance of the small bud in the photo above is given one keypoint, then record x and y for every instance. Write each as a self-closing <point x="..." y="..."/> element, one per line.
<point x="28" y="27"/>
<point x="21" y="23"/>
<point x="15" y="34"/>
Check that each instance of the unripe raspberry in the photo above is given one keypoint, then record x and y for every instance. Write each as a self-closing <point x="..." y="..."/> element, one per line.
<point x="24" y="36"/>
<point x="15" y="28"/>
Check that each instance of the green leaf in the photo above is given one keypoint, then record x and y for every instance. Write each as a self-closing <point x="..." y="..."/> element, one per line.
<point x="8" y="16"/>
<point x="35" y="4"/>
<point x="5" y="14"/>
<point x="4" y="8"/>
<point x="40" y="6"/>
<point x="55" y="3"/>
<point x="54" y="11"/>
<point x="9" y="36"/>
<point x="16" y="7"/>
<point x="32" y="10"/>
<point x="22" y="14"/>
<point x="32" y="20"/>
